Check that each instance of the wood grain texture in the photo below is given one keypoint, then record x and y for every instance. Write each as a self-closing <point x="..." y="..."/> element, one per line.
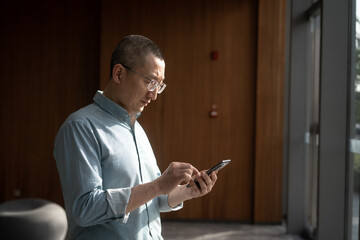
<point x="49" y="68"/>
<point x="269" y="111"/>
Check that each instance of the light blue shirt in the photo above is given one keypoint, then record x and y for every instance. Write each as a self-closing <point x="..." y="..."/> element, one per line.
<point x="100" y="157"/>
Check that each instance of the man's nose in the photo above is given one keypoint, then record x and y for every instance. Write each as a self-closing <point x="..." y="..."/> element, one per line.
<point x="153" y="94"/>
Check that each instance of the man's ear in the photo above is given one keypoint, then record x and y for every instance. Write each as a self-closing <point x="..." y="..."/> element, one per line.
<point x="118" y="73"/>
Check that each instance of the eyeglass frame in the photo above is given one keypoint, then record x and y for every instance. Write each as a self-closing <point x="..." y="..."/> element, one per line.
<point x="156" y="84"/>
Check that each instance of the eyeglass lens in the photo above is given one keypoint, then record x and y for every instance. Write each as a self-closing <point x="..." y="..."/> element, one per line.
<point x="154" y="84"/>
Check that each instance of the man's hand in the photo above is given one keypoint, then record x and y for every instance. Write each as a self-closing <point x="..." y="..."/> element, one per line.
<point x="183" y="193"/>
<point x="206" y="183"/>
<point x="176" y="173"/>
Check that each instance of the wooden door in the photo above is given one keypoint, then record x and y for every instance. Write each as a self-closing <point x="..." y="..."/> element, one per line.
<point x="190" y="134"/>
<point x="178" y="123"/>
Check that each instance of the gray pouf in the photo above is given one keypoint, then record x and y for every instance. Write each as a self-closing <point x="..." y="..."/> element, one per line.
<point x="32" y="219"/>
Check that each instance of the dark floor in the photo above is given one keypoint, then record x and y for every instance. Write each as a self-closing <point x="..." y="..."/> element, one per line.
<point x="173" y="230"/>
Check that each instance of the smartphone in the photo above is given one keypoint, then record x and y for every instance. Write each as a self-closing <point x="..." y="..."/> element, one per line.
<point x="217" y="167"/>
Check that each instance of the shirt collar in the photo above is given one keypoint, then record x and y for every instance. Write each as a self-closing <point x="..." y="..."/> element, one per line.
<point x="112" y="108"/>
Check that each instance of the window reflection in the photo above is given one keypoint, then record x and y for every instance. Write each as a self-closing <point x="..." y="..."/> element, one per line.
<point x="312" y="136"/>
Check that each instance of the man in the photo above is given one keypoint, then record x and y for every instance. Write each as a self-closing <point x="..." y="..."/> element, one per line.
<point x="111" y="184"/>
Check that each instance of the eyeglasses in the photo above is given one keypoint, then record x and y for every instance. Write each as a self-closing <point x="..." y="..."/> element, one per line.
<point x="152" y="85"/>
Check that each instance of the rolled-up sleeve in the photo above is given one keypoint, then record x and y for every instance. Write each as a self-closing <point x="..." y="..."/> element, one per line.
<point x="164" y="204"/>
<point x="114" y="196"/>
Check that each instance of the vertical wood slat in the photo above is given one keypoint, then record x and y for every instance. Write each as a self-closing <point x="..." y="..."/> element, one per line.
<point x="269" y="111"/>
<point x="49" y="68"/>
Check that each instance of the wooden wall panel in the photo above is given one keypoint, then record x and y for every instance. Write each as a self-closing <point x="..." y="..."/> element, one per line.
<point x="269" y="111"/>
<point x="49" y="67"/>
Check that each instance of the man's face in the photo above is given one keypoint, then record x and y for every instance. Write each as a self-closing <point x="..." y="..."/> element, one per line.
<point x="135" y="94"/>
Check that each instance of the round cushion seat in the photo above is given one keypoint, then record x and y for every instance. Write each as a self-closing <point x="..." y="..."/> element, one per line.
<point x="32" y="219"/>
